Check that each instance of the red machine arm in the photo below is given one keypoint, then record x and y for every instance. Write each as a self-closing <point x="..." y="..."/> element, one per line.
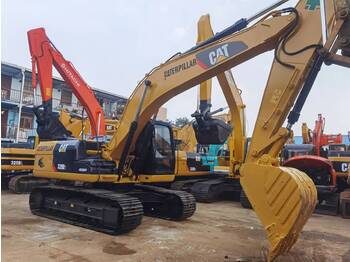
<point x="44" y="54"/>
<point x="320" y="139"/>
<point x="317" y="134"/>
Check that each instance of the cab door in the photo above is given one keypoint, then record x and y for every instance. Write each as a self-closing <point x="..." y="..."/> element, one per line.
<point x="155" y="150"/>
<point x="163" y="149"/>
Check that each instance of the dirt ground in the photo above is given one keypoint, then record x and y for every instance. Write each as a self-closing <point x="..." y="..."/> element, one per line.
<point x="217" y="232"/>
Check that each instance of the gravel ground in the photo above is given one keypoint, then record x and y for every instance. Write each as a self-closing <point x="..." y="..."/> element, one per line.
<point x="217" y="232"/>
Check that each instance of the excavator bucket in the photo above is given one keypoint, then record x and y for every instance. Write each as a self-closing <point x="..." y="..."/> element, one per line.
<point x="283" y="199"/>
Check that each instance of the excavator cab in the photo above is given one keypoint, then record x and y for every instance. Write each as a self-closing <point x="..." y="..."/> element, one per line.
<point x="155" y="149"/>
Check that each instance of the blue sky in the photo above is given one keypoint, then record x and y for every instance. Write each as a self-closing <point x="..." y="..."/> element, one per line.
<point x="114" y="43"/>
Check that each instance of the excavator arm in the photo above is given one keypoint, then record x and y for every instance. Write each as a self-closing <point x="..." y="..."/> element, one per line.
<point x="305" y="132"/>
<point x="232" y="94"/>
<point x="282" y="197"/>
<point x="317" y="134"/>
<point x="45" y="55"/>
<point x="204" y="33"/>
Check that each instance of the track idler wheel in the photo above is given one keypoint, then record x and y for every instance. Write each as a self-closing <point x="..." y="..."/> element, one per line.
<point x="283" y="198"/>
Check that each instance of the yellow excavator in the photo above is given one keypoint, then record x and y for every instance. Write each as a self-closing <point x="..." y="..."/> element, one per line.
<point x="17" y="159"/>
<point x="142" y="151"/>
<point x="211" y="188"/>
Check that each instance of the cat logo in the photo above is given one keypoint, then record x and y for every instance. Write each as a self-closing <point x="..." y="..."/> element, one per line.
<point x="216" y="54"/>
<point x="344" y="167"/>
<point x="63" y="148"/>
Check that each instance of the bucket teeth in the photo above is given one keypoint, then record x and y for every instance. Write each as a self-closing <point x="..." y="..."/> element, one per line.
<point x="283" y="199"/>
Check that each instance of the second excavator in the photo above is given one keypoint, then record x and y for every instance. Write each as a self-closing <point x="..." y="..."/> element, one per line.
<point x="217" y="184"/>
<point x="142" y="151"/>
<point x="110" y="212"/>
<point x="325" y="159"/>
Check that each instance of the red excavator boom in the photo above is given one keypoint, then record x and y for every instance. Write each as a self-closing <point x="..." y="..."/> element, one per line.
<point x="44" y="54"/>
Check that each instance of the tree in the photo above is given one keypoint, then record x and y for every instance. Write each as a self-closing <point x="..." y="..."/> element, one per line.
<point x="181" y="121"/>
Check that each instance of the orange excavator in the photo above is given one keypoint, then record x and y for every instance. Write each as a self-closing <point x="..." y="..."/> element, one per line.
<point x="317" y="136"/>
<point x="45" y="55"/>
<point x="318" y="157"/>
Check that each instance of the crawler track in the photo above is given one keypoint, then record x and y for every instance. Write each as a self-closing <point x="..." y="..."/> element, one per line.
<point x="96" y="209"/>
<point x="212" y="190"/>
<point x="165" y="203"/>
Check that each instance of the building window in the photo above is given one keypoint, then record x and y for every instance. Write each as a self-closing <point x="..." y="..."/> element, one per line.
<point x="4" y="116"/>
<point x="66" y="97"/>
<point x="26" y="121"/>
<point x="100" y="100"/>
<point x="107" y="108"/>
<point x="28" y="92"/>
<point x="5" y="87"/>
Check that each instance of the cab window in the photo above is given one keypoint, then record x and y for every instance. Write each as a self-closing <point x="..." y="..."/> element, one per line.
<point x="163" y="149"/>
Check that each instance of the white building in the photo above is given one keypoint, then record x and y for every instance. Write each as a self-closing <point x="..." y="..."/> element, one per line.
<point x="13" y="87"/>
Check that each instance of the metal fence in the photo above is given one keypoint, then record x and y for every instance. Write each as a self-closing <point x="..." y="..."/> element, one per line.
<point x="10" y="95"/>
<point x="29" y="99"/>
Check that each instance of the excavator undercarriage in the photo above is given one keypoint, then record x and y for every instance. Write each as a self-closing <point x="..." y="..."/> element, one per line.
<point x="84" y="206"/>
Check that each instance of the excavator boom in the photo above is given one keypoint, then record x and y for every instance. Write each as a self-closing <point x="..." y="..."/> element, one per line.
<point x="283" y="198"/>
<point x="187" y="70"/>
<point x="44" y="56"/>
